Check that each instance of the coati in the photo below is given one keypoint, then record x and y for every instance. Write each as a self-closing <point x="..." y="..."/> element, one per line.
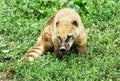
<point x="62" y="31"/>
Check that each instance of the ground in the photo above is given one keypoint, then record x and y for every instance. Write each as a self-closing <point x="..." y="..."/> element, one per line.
<point x="20" y="26"/>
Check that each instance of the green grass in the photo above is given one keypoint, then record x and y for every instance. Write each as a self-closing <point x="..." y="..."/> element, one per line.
<point x="20" y="26"/>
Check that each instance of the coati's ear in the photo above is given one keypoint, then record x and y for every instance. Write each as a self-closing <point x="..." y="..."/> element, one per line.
<point x="57" y="23"/>
<point x="75" y="23"/>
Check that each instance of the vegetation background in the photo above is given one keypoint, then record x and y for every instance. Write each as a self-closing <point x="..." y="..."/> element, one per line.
<point x="21" y="22"/>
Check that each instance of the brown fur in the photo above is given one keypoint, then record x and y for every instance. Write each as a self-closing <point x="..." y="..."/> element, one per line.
<point x="63" y="22"/>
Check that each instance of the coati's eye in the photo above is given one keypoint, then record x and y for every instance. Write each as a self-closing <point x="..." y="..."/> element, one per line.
<point x="69" y="37"/>
<point x="59" y="38"/>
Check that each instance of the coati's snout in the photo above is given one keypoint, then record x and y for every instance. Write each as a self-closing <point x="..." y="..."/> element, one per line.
<point x="64" y="45"/>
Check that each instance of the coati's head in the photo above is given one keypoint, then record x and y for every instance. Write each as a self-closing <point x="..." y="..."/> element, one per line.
<point x="66" y="34"/>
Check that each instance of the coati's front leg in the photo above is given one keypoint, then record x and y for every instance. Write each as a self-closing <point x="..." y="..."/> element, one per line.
<point x="57" y="52"/>
<point x="81" y="49"/>
<point x="57" y="49"/>
<point x="81" y="44"/>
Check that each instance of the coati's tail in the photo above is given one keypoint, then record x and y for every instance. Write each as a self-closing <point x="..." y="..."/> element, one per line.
<point x="34" y="53"/>
<point x="31" y="55"/>
<point x="43" y="44"/>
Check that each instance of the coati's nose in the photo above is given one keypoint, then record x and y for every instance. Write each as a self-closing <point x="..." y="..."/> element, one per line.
<point x="63" y="49"/>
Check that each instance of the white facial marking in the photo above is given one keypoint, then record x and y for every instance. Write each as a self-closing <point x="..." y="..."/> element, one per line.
<point x="70" y="34"/>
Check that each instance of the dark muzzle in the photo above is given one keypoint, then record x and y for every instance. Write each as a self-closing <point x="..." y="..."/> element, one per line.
<point x="63" y="49"/>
